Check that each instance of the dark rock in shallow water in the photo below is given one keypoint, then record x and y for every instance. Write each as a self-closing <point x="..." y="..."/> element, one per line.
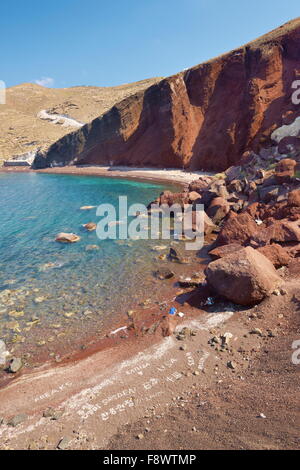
<point x="164" y="273"/>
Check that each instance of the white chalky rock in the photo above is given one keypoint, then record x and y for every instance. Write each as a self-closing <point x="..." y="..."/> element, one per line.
<point x="3" y="353"/>
<point x="292" y="130"/>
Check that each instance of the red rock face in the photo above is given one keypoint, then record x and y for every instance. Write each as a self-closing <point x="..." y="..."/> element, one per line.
<point x="203" y="118"/>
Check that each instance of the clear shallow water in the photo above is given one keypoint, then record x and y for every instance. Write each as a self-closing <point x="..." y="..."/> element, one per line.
<point x="51" y="291"/>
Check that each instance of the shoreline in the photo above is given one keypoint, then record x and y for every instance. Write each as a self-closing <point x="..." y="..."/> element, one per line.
<point x="113" y="334"/>
<point x="108" y="352"/>
<point x="171" y="175"/>
<point x="168" y="290"/>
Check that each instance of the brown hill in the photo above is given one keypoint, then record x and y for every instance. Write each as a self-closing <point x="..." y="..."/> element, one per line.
<point x="20" y="128"/>
<point x="202" y="118"/>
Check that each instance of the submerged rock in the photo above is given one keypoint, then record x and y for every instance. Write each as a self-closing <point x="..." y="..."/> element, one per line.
<point x="164" y="273"/>
<point x="175" y="256"/>
<point x="86" y="208"/>
<point x="91" y="248"/>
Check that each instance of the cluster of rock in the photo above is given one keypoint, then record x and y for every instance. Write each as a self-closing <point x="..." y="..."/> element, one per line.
<point x="254" y="210"/>
<point x="63" y="237"/>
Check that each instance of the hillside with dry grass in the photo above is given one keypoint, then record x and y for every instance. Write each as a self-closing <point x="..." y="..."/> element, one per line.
<point x="21" y="130"/>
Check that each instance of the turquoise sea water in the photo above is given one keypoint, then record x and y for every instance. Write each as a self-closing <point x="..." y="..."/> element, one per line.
<point x="49" y="290"/>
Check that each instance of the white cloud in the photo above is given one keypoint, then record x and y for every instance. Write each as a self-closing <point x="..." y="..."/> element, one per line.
<point x="45" y="81"/>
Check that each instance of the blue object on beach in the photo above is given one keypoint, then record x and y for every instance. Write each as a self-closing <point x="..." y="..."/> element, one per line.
<point x="172" y="311"/>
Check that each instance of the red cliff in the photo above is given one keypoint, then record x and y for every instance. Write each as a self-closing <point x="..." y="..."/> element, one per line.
<point x="203" y="118"/>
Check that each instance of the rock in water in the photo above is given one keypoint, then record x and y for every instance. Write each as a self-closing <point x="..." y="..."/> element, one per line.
<point x="90" y="226"/>
<point x="245" y="277"/>
<point x="164" y="273"/>
<point x="67" y="237"/>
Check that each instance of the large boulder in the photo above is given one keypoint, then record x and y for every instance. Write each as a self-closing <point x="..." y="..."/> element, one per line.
<point x="216" y="189"/>
<point x="276" y="254"/>
<point x="245" y="277"/>
<point x="285" y="170"/>
<point x="294" y="198"/>
<point x="218" y="209"/>
<point x="225" y="250"/>
<point x="237" y="229"/>
<point x="279" y="231"/>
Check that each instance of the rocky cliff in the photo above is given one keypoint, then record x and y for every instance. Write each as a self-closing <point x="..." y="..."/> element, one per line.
<point x="203" y="118"/>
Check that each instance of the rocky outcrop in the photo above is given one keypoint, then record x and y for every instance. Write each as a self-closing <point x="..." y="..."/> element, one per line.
<point x="203" y="118"/>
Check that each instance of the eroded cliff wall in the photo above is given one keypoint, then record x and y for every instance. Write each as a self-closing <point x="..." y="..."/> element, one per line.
<point x="203" y="118"/>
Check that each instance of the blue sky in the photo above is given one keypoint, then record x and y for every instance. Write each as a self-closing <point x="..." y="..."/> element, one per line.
<point x="63" y="43"/>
